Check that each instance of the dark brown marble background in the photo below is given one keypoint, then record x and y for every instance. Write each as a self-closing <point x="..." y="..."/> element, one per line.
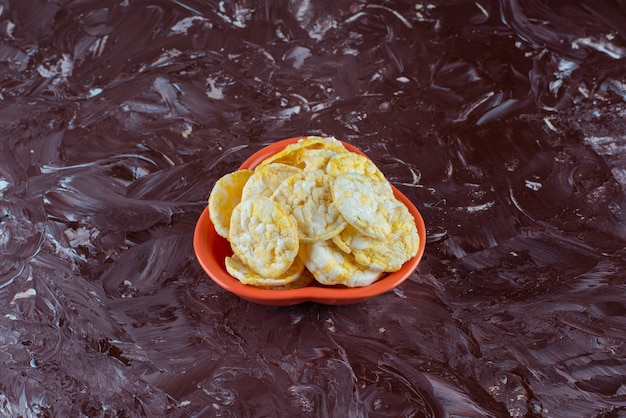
<point x="503" y="121"/>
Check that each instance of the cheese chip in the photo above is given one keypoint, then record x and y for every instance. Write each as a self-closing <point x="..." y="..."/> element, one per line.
<point x="313" y="159"/>
<point x="242" y="272"/>
<point x="360" y="200"/>
<point x="303" y="280"/>
<point x="339" y="239"/>
<point x="391" y="252"/>
<point x="264" y="236"/>
<point x="331" y="266"/>
<point x="290" y="153"/>
<point x="307" y="197"/>
<point x="266" y="179"/>
<point x="351" y="162"/>
<point x="225" y="195"/>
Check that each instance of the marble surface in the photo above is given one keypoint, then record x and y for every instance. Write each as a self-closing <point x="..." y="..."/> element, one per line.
<point x="503" y="121"/>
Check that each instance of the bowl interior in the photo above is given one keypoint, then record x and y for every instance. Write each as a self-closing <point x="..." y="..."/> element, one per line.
<point x="211" y="250"/>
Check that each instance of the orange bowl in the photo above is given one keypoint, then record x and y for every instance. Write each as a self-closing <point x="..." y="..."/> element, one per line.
<point x="211" y="250"/>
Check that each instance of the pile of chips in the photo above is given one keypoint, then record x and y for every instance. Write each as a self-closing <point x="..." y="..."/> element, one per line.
<point x="314" y="211"/>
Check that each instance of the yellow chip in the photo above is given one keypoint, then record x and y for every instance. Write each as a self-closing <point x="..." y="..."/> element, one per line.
<point x="390" y="253"/>
<point x="264" y="236"/>
<point x="266" y="179"/>
<point x="289" y="153"/>
<point x="360" y="200"/>
<point x="307" y="197"/>
<point x="340" y="242"/>
<point x="305" y="279"/>
<point x="351" y="162"/>
<point x="242" y="272"/>
<point x="331" y="266"/>
<point x="225" y="195"/>
<point x="313" y="159"/>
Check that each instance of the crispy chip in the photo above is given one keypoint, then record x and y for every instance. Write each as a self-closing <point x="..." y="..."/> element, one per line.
<point x="360" y="200"/>
<point x="390" y="253"/>
<point x="307" y="196"/>
<point x="242" y="272"/>
<point x="226" y="194"/>
<point x="331" y="266"/>
<point x="290" y="153"/>
<point x="313" y="159"/>
<point x="264" y="236"/>
<point x="339" y="241"/>
<point x="266" y="179"/>
<point x="305" y="279"/>
<point x="351" y="162"/>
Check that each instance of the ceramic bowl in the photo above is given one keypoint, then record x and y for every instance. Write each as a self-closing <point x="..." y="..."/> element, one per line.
<point x="211" y="250"/>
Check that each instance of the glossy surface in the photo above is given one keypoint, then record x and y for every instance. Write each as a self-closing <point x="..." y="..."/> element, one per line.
<point x="211" y="249"/>
<point x="502" y="120"/>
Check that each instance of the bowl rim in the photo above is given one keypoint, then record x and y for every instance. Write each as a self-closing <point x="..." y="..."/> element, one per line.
<point x="205" y="236"/>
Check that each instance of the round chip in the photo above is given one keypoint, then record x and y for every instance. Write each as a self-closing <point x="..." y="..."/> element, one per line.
<point x="360" y="200"/>
<point x="313" y="159"/>
<point x="266" y="179"/>
<point x="264" y="236"/>
<point x="242" y="272"/>
<point x="351" y="162"/>
<point x="290" y="152"/>
<point x="305" y="279"/>
<point x="225" y="195"/>
<point x="307" y="197"/>
<point x="331" y="266"/>
<point x="339" y="241"/>
<point x="390" y="253"/>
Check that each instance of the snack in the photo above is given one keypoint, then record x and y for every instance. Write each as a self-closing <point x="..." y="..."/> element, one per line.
<point x="313" y="212"/>
<point x="307" y="197"/>
<point x="363" y="203"/>
<point x="331" y="266"/>
<point x="314" y="158"/>
<point x="265" y="180"/>
<point x="242" y="272"/>
<point x="353" y="163"/>
<point x="226" y="194"/>
<point x="292" y="154"/>
<point x="387" y="254"/>
<point x="304" y="279"/>
<point x="264" y="236"/>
